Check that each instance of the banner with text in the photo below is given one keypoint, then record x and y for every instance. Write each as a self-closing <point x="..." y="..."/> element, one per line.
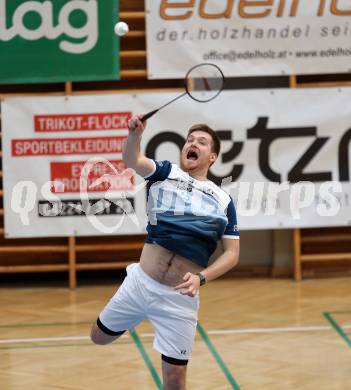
<point x="248" y="38"/>
<point x="284" y="159"/>
<point x="61" y="40"/>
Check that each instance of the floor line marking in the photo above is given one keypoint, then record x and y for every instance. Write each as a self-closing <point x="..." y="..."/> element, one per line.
<point x="45" y="324"/>
<point x="212" y="332"/>
<point x="146" y="359"/>
<point x="45" y="339"/>
<point x="337" y="327"/>
<point x="230" y="378"/>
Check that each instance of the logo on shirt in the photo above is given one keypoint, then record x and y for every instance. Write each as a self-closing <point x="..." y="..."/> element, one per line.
<point x="208" y="191"/>
<point x="185" y="185"/>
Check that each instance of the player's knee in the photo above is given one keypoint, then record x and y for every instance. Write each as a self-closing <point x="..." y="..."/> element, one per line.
<point x="174" y="380"/>
<point x="97" y="337"/>
<point x="97" y="340"/>
<point x="100" y="335"/>
<point x="174" y="384"/>
<point x="174" y="371"/>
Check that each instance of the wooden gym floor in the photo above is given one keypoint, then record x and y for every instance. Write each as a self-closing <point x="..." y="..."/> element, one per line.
<point x="253" y="334"/>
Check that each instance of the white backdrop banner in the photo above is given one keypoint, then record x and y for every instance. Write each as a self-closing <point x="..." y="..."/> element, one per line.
<point x="284" y="159"/>
<point x="248" y="38"/>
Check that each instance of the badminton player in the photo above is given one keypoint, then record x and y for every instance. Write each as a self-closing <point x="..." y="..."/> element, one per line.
<point x="188" y="215"/>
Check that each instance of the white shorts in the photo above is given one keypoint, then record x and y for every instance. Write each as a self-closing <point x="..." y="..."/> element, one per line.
<point x="173" y="315"/>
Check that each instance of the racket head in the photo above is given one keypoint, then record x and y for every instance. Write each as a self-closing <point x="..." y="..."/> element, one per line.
<point x="204" y="82"/>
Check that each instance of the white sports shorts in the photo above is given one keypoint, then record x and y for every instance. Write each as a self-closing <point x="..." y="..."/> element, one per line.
<point x="173" y="315"/>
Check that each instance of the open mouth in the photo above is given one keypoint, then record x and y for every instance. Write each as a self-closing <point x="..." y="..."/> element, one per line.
<point x="192" y="155"/>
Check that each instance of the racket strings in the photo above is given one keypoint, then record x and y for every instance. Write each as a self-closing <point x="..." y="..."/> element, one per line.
<point x="204" y="82"/>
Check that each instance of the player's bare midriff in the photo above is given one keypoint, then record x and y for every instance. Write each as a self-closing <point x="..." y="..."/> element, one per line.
<point x="165" y="266"/>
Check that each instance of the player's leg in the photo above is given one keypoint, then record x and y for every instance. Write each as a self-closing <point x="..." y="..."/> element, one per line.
<point x="174" y="317"/>
<point x="123" y="312"/>
<point x="101" y="335"/>
<point x="173" y="373"/>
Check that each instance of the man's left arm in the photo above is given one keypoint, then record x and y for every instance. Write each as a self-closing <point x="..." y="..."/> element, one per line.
<point x="226" y="261"/>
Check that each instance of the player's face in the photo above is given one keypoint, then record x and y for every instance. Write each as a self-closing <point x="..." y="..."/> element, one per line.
<point x="197" y="151"/>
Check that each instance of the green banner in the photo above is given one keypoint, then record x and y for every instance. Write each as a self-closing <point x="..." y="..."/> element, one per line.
<point x="58" y="40"/>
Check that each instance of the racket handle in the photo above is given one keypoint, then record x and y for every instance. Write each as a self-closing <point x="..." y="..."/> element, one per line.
<point x="148" y="115"/>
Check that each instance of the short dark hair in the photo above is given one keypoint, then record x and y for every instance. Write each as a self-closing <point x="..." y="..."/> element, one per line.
<point x="216" y="143"/>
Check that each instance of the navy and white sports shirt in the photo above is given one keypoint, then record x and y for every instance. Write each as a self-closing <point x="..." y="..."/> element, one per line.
<point x="187" y="216"/>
